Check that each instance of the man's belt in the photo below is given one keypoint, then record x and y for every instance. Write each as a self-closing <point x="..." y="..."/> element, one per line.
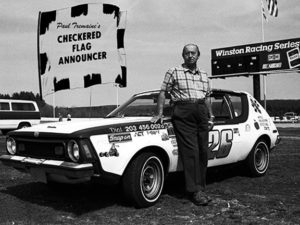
<point x="192" y="101"/>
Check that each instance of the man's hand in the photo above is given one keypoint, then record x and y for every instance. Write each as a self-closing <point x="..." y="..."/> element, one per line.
<point x="157" y="119"/>
<point x="211" y="123"/>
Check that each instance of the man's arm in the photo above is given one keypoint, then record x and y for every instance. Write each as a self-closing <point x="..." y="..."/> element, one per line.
<point x="208" y="105"/>
<point x="211" y="116"/>
<point x="160" y="107"/>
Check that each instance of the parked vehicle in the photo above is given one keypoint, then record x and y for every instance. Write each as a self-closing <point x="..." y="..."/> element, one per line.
<point x="16" y="114"/>
<point x="126" y="148"/>
<point x="291" y="116"/>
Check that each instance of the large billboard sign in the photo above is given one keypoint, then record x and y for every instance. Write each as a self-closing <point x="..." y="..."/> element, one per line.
<point x="256" y="58"/>
<point x="81" y="46"/>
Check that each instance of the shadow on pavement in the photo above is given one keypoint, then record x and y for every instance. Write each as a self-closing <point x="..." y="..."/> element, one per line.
<point x="75" y="198"/>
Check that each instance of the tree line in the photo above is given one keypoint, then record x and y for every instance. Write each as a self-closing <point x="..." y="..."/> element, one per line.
<point x="274" y="107"/>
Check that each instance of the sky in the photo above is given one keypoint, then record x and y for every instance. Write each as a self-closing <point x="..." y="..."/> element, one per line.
<point x="156" y="31"/>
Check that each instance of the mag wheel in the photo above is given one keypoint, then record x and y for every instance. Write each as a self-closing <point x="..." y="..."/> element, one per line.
<point x="143" y="180"/>
<point x="258" y="159"/>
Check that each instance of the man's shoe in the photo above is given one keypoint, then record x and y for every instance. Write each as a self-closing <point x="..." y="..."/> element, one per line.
<point x="199" y="198"/>
<point x="209" y="199"/>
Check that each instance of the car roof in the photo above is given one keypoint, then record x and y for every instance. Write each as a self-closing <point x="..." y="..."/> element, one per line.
<point x="213" y="90"/>
<point x="16" y="100"/>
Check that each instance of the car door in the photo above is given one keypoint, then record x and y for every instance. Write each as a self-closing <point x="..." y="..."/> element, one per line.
<point x="227" y="137"/>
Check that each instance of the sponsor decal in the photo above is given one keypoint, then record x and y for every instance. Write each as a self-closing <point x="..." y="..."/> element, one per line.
<point x="139" y="134"/>
<point x="264" y="123"/>
<point x="175" y="152"/>
<point x="171" y="132"/>
<point x="236" y="131"/>
<point x="115" y="130"/>
<point x="136" y="127"/>
<point x="119" y="137"/>
<point x="174" y="142"/>
<point x="112" y="152"/>
<point x="164" y="137"/>
<point x="152" y="132"/>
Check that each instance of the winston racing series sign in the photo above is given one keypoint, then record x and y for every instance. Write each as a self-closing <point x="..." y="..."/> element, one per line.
<point x="259" y="57"/>
<point x="81" y="46"/>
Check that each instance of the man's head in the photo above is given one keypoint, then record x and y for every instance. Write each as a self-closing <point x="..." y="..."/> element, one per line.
<point x="190" y="54"/>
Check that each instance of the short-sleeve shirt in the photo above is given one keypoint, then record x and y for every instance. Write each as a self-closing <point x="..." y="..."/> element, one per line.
<point x="185" y="85"/>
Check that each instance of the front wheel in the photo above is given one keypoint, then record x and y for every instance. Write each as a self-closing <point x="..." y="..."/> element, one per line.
<point x="258" y="160"/>
<point x="143" y="180"/>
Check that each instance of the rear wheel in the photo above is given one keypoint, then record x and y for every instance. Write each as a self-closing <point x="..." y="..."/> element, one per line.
<point x="143" y="180"/>
<point x="258" y="160"/>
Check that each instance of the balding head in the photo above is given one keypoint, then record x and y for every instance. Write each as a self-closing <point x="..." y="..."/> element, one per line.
<point x="188" y="46"/>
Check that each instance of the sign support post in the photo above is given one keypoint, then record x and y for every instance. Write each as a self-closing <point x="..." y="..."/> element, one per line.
<point x="256" y="87"/>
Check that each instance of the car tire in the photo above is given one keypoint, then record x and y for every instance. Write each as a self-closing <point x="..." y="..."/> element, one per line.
<point x="143" y="180"/>
<point x="257" y="161"/>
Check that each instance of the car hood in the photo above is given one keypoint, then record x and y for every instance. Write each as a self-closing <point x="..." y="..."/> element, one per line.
<point x="69" y="127"/>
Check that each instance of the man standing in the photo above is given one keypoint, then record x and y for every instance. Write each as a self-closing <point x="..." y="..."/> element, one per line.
<point x="192" y="118"/>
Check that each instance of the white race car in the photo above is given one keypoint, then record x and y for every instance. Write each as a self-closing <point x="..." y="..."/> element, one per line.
<point x="126" y="147"/>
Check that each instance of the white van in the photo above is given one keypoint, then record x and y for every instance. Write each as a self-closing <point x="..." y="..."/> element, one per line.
<point x="16" y="114"/>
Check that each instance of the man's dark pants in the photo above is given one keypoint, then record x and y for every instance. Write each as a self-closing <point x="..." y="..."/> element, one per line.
<point x="190" y="121"/>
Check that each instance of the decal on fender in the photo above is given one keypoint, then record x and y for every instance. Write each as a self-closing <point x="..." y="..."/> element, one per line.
<point x="119" y="137"/>
<point x="164" y="137"/>
<point x="112" y="152"/>
<point x="145" y="126"/>
<point x="264" y="123"/>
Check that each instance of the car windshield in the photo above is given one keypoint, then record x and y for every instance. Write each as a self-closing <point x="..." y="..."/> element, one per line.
<point x="141" y="105"/>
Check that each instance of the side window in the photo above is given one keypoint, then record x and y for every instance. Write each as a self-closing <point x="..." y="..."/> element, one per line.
<point x="140" y="107"/>
<point x="221" y="108"/>
<point x="236" y="102"/>
<point x="22" y="106"/>
<point x="4" y="106"/>
<point x="146" y="107"/>
<point x="228" y="108"/>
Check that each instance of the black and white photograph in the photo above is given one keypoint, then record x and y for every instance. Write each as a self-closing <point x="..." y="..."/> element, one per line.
<point x="150" y="112"/>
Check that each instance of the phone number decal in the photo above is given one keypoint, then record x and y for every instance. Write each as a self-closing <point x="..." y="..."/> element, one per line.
<point x="138" y="127"/>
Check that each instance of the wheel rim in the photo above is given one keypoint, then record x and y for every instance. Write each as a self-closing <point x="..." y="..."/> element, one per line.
<point x="261" y="158"/>
<point x="152" y="178"/>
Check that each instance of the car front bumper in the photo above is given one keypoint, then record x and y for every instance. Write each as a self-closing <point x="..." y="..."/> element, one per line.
<point x="43" y="169"/>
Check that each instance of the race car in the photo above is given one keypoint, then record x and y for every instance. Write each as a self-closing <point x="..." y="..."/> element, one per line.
<point x="126" y="147"/>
